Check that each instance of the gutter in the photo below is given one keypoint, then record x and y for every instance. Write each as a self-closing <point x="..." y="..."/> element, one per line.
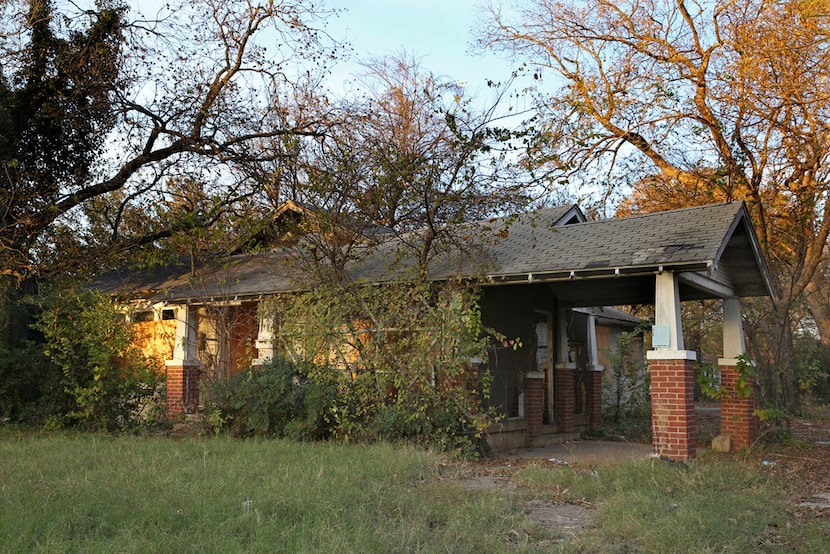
<point x="593" y="273"/>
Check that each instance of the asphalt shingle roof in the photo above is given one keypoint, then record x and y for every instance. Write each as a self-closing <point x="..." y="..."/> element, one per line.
<point x="537" y="245"/>
<point x="668" y="238"/>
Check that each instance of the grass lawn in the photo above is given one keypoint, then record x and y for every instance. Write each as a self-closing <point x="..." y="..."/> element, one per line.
<point x="93" y="493"/>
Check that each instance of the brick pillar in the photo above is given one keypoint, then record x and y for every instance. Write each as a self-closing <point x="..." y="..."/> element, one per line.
<point x="183" y="369"/>
<point x="673" y="407"/>
<point x="565" y="400"/>
<point x="534" y="405"/>
<point x="182" y="389"/>
<point x="736" y="412"/>
<point x="595" y="401"/>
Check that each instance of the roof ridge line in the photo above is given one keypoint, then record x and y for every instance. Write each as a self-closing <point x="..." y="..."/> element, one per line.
<point x="661" y="213"/>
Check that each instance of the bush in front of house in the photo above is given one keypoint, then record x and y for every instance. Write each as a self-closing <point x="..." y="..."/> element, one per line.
<point x="401" y="357"/>
<point x="303" y="401"/>
<point x="281" y="398"/>
<point x="106" y="382"/>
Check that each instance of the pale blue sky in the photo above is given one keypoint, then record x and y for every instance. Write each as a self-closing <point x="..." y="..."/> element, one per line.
<point x="438" y="32"/>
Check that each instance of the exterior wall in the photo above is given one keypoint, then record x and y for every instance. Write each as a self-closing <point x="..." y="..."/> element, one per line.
<point x="244" y="332"/>
<point x="226" y="338"/>
<point x="156" y="339"/>
<point x="606" y="343"/>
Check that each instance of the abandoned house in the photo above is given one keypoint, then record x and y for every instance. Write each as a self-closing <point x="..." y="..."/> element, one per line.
<point x="550" y="278"/>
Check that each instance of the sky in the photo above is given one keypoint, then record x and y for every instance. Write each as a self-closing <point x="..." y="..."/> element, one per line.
<point x="437" y="32"/>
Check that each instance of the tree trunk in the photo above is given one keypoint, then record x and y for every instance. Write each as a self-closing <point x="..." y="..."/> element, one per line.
<point x="782" y="343"/>
<point x="818" y="302"/>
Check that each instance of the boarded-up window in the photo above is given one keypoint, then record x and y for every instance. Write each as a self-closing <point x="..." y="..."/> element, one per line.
<point x="143" y="316"/>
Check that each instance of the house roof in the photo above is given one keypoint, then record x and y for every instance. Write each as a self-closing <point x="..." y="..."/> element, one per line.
<point x="714" y="248"/>
<point x="606" y="262"/>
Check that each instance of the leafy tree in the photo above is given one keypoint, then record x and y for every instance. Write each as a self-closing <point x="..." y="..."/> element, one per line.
<point x="715" y="100"/>
<point x="99" y="107"/>
<point x="108" y="119"/>
<point x="56" y="101"/>
<point x="107" y="381"/>
<point x="411" y="159"/>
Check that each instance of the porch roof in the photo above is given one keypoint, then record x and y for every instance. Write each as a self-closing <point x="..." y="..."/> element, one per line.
<point x="714" y="249"/>
<point x="606" y="262"/>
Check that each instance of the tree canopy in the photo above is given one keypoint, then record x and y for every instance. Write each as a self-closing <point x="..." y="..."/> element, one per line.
<point x="100" y="107"/>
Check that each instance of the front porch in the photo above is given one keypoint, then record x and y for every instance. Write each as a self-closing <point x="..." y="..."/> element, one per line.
<point x="663" y="260"/>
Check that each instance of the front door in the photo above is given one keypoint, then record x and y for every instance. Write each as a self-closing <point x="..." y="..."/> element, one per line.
<point x="544" y="359"/>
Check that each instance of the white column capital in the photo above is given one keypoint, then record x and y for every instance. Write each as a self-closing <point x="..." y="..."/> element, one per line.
<point x="667" y="311"/>
<point x="733" y="328"/>
<point x="667" y="354"/>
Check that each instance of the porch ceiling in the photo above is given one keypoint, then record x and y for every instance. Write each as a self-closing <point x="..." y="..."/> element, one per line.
<point x="613" y="291"/>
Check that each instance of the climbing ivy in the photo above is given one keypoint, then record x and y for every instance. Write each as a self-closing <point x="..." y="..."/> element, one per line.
<point x="710" y="384"/>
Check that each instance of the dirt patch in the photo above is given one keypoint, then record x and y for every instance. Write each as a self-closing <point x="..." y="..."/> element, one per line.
<point x="479" y="482"/>
<point x="484" y="474"/>
<point x="565" y="519"/>
<point x="556" y="519"/>
<point x="799" y="456"/>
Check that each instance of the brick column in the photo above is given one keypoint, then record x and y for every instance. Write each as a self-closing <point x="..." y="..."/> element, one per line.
<point x="565" y="397"/>
<point x="673" y="405"/>
<point x="534" y="405"/>
<point x="672" y="371"/>
<point x="183" y="370"/>
<point x="736" y="419"/>
<point x="595" y="401"/>
<point x="736" y="412"/>
<point x="182" y="389"/>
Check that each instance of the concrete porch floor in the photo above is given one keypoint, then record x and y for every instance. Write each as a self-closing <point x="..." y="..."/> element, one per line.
<point x="582" y="452"/>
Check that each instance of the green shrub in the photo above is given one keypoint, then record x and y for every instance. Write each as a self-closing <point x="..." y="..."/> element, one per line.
<point x="281" y="398"/>
<point x="404" y="356"/>
<point x="107" y="381"/>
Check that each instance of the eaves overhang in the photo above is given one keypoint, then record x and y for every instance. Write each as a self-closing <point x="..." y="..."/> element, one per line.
<point x="593" y="273"/>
